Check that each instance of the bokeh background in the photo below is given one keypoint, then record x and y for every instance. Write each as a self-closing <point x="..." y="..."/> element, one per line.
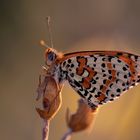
<point x="76" y="25"/>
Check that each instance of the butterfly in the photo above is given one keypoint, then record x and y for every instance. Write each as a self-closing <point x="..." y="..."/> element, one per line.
<point x="97" y="76"/>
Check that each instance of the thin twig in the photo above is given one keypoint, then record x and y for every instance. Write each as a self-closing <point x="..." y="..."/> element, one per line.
<point x="45" y="130"/>
<point x="51" y="102"/>
<point x="67" y="135"/>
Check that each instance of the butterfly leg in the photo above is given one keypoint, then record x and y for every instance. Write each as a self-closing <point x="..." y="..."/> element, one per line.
<point x="44" y="69"/>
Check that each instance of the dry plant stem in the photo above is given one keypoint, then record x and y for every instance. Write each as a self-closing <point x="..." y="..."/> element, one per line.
<point x="67" y="135"/>
<point x="50" y="90"/>
<point x="45" y="130"/>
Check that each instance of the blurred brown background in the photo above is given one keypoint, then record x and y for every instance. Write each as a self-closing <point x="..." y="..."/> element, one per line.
<point x="76" y="25"/>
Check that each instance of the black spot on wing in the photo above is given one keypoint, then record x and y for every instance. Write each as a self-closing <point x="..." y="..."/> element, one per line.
<point x="77" y="83"/>
<point x="103" y="65"/>
<point x="64" y="63"/>
<point x="93" y="90"/>
<point x="72" y="65"/>
<point x="80" y="94"/>
<point x="90" y="96"/>
<point x="72" y="74"/>
<point x="69" y="60"/>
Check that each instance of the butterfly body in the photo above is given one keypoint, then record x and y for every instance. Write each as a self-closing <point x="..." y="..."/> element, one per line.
<point x="97" y="76"/>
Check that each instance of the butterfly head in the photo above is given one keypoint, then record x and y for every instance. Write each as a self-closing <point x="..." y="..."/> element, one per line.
<point x="50" y="56"/>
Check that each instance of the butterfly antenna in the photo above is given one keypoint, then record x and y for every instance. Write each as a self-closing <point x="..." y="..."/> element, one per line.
<point x="50" y="31"/>
<point x="42" y="43"/>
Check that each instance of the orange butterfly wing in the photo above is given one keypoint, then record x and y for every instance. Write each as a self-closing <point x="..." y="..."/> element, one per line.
<point x="101" y="76"/>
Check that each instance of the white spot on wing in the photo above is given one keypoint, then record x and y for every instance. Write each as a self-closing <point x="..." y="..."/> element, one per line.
<point x="85" y="74"/>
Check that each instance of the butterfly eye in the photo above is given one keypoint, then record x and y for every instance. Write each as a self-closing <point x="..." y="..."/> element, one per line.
<point x="51" y="56"/>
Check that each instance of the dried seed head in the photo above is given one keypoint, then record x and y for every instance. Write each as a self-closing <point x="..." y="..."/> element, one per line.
<point x="82" y="119"/>
<point x="51" y="98"/>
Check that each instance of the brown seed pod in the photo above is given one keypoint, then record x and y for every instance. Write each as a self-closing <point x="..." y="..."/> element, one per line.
<point x="82" y="119"/>
<point x="51" y="97"/>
